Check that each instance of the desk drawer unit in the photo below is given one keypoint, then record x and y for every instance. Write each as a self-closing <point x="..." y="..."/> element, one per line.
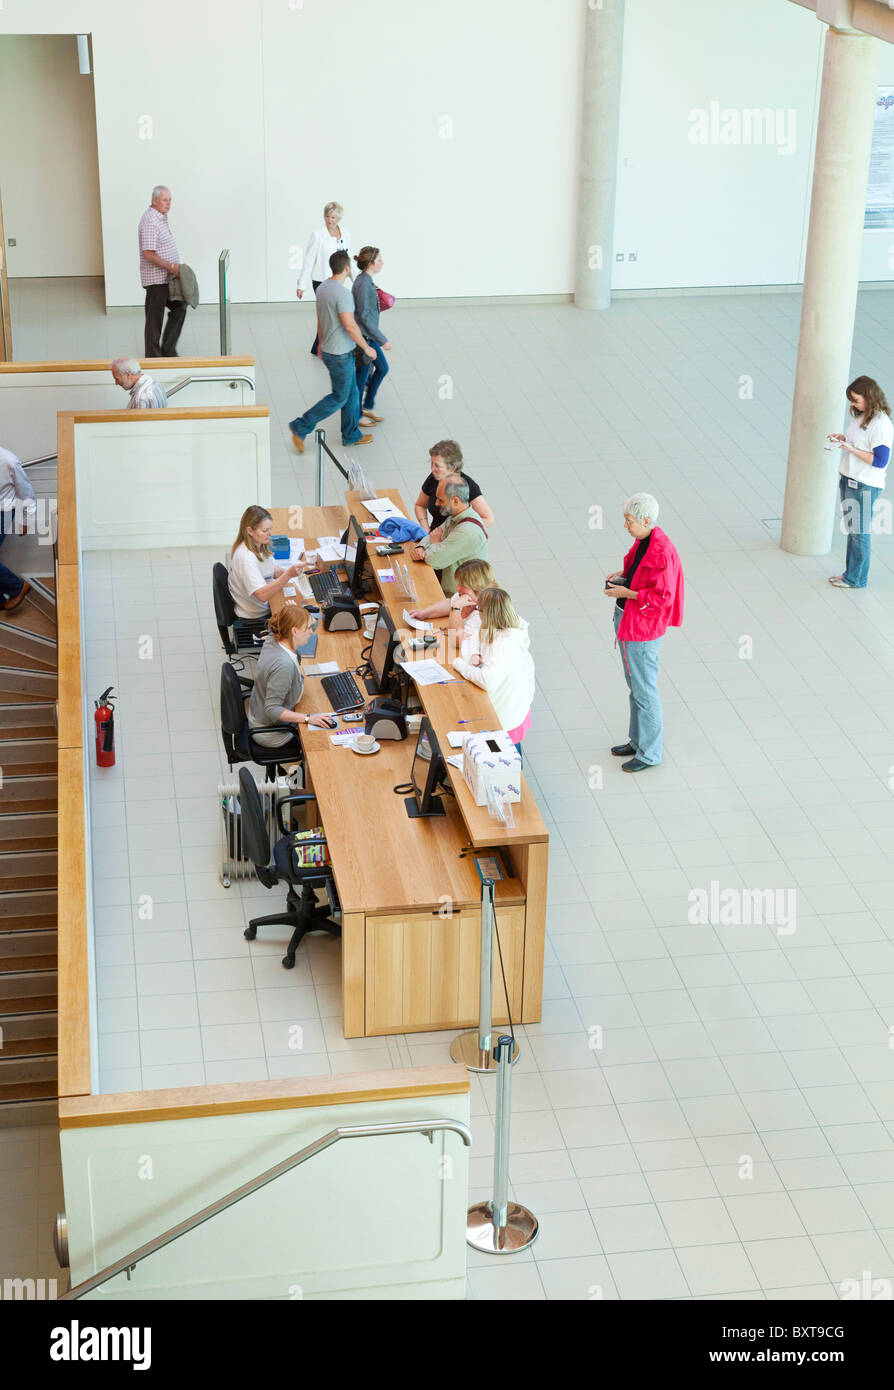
<point x="422" y="969"/>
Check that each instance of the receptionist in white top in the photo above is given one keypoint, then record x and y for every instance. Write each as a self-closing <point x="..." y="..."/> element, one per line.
<point x="254" y="574"/>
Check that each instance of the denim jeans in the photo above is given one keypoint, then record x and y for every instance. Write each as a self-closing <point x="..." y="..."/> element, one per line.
<point x="640" y="662"/>
<point x="342" y="396"/>
<point x="370" y="375"/>
<point x="10" y="584"/>
<point x="857" y="506"/>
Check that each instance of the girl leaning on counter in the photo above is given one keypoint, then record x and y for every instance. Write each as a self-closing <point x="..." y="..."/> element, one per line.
<point x="279" y="682"/>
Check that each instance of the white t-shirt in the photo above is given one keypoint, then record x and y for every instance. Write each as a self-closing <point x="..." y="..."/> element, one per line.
<point x="879" y="431"/>
<point x="248" y="573"/>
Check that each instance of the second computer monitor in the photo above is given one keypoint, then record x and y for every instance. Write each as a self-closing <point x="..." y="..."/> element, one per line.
<point x="381" y="656"/>
<point x="355" y="539"/>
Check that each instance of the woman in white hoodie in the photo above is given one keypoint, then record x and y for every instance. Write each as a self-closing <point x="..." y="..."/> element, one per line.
<point x="498" y="658"/>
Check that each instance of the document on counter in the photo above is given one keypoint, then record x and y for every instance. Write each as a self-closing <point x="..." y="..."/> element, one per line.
<point x="415" y="623"/>
<point x="382" y="507"/>
<point x="330" y="552"/>
<point x="323" y="668"/>
<point x="455" y="738"/>
<point x="455" y="760"/>
<point x="344" y="736"/>
<point x="427" y="671"/>
<point x="296" y="550"/>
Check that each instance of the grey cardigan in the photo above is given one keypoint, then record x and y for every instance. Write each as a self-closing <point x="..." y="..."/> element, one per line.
<point x="279" y="684"/>
<point x="366" y="308"/>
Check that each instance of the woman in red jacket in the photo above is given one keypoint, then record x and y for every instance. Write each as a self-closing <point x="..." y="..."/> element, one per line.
<point x="648" y="596"/>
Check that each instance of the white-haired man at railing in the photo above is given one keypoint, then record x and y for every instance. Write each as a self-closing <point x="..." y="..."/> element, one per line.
<point x="145" y="392"/>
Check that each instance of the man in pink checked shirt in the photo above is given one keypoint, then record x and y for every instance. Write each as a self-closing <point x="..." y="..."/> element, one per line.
<point x="159" y="260"/>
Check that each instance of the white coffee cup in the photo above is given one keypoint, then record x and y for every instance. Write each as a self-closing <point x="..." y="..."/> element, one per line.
<point x="364" y="742"/>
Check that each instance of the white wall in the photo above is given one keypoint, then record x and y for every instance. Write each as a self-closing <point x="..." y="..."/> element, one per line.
<point x="49" y="177"/>
<point x="258" y="113"/>
<point x="150" y="480"/>
<point x="261" y="112"/>
<point x="369" y="1218"/>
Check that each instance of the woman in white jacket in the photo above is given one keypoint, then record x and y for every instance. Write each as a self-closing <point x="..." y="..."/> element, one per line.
<point x="332" y="236"/>
<point x="498" y="658"/>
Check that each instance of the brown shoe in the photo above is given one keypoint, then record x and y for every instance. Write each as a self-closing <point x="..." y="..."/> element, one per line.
<point x="297" y="441"/>
<point x="365" y="439"/>
<point x="366" y="423"/>
<point x="11" y="603"/>
<point x="376" y="419"/>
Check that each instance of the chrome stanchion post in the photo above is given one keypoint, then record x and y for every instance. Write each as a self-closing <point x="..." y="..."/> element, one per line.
<point x="501" y="1227"/>
<point x="473" y="1049"/>
<point x="320" y="436"/>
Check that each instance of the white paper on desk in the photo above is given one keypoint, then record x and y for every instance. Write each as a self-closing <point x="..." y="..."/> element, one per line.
<point x="345" y="736"/>
<point x="415" y="623"/>
<point x="382" y="507"/>
<point x="455" y="738"/>
<point x="330" y="552"/>
<point x="322" y="668"/>
<point x="369" y="525"/>
<point x="455" y="760"/>
<point x="426" y="672"/>
<point x="329" y="540"/>
<point x="296" y="550"/>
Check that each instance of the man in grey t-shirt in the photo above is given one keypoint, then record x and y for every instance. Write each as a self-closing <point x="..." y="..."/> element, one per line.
<point x="337" y="333"/>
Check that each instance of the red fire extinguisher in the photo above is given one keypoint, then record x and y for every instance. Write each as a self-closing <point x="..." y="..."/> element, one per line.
<point x="105" y="729"/>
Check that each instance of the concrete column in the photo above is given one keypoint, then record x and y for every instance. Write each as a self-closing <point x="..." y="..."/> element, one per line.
<point x="603" y="35"/>
<point x="831" y="274"/>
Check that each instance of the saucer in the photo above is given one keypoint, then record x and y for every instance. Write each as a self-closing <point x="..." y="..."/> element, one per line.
<point x="364" y="752"/>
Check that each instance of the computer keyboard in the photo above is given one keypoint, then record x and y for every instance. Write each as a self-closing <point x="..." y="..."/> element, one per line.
<point x="342" y="691"/>
<point x="326" y="585"/>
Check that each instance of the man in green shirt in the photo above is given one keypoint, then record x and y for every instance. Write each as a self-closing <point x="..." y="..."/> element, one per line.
<point x="463" y="536"/>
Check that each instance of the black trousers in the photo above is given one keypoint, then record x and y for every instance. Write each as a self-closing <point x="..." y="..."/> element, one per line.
<point x="316" y="284"/>
<point x="158" y="344"/>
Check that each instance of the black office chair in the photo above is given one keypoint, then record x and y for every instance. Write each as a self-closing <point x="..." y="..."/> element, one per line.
<point x="240" y="740"/>
<point x="237" y="636"/>
<point x="302" y="913"/>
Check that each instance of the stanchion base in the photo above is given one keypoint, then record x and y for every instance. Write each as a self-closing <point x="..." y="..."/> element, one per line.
<point x="465" y="1050"/>
<point x="521" y="1230"/>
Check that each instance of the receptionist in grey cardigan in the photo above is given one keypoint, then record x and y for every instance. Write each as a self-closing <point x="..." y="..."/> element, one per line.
<point x="279" y="682"/>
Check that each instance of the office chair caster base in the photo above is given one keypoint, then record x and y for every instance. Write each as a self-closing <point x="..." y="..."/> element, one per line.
<point x="465" y="1050"/>
<point x="521" y="1230"/>
<point x="250" y="933"/>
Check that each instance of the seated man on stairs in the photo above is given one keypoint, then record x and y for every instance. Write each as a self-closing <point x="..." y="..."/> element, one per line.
<point x="16" y="503"/>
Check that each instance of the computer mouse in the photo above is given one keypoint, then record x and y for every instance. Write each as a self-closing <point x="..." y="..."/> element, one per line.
<point x="331" y="723"/>
<point x="311" y="607"/>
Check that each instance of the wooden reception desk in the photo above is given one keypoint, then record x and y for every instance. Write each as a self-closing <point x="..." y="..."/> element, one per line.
<point x="410" y="891"/>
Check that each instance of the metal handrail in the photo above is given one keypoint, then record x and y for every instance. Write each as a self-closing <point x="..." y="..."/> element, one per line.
<point x="128" y="1262"/>
<point x="189" y="380"/>
<point x="44" y="458"/>
<point x="323" y="447"/>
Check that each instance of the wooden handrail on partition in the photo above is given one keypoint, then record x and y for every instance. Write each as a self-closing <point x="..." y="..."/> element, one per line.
<point x="160" y="363"/>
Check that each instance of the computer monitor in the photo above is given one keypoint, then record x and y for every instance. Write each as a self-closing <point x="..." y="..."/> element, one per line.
<point x="381" y="656"/>
<point x="427" y="772"/>
<point x="355" y="539"/>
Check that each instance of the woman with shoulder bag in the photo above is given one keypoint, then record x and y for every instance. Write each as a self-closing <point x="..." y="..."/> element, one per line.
<point x="370" y="375"/>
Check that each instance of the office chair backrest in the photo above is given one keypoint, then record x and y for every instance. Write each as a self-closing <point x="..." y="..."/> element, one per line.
<point x="224" y="610"/>
<point x="233" y="718"/>
<point x="255" y="839"/>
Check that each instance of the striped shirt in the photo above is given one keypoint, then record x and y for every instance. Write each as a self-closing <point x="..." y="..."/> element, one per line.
<point x="155" y="235"/>
<point x="147" y="394"/>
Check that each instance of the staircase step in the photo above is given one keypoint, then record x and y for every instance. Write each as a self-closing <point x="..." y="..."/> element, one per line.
<point x="15" y="1005"/>
<point x="28" y="869"/>
<point x="24" y="1070"/>
<point x="30" y="756"/>
<point x="19" y="910"/>
<point x="35" y="830"/>
<point x="43" y="596"/>
<point x="22" y="964"/>
<point x="29" y="618"/>
<point x="28" y="794"/>
<point x="32" y="1035"/>
<point x="27" y="1090"/>
<point x="15" y="1114"/>
<point x="26" y="721"/>
<point x="27" y="652"/>
<point x="18" y="687"/>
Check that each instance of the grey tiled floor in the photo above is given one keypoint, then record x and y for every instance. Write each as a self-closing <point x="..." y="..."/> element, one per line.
<point x="730" y="1132"/>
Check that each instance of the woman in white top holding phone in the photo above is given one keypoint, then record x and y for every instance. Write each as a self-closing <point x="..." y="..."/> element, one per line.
<point x="865" y="452"/>
<point x="254" y="575"/>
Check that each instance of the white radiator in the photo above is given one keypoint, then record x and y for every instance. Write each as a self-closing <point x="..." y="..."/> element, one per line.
<point x="234" y="863"/>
